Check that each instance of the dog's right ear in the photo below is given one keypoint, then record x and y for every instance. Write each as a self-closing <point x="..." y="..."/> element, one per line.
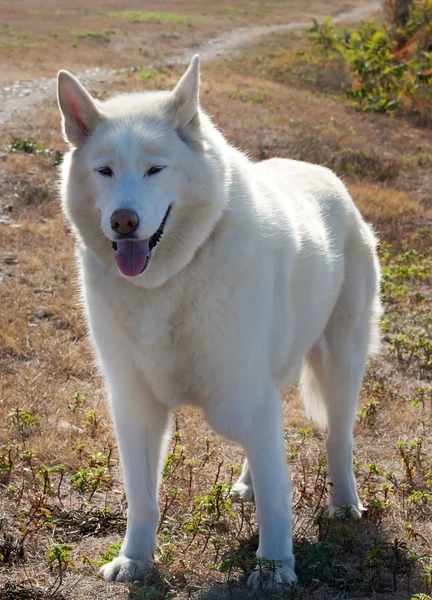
<point x="79" y="110"/>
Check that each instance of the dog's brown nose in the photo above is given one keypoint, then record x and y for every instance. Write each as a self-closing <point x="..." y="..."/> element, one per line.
<point x="124" y="221"/>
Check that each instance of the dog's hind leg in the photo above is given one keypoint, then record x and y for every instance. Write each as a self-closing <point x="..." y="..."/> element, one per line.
<point x="338" y="373"/>
<point x="243" y="487"/>
<point x="332" y="376"/>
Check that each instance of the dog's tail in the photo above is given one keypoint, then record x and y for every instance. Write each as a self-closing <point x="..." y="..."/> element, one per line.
<point x="330" y="366"/>
<point x="310" y="387"/>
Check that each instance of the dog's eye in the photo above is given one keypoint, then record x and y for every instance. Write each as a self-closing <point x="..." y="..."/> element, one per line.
<point x="105" y="171"/>
<point x="154" y="170"/>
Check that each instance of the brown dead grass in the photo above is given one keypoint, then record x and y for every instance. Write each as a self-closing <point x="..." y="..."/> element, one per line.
<point x="45" y="359"/>
<point x="38" y="40"/>
<point x="379" y="204"/>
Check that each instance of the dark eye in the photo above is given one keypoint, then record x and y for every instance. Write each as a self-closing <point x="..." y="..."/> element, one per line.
<point x="105" y="171"/>
<point x="154" y="170"/>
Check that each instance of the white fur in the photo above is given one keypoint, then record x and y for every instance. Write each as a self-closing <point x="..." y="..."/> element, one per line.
<point x="265" y="270"/>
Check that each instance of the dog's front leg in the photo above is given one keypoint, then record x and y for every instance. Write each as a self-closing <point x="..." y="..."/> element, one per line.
<point x="254" y="420"/>
<point x="140" y="424"/>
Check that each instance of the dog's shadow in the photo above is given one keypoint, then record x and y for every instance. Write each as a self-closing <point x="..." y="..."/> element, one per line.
<point x="349" y="557"/>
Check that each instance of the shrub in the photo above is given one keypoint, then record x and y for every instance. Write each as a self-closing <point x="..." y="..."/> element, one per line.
<point x="390" y="65"/>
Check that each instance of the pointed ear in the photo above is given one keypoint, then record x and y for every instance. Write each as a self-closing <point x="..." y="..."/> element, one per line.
<point x="186" y="96"/>
<point x="79" y="110"/>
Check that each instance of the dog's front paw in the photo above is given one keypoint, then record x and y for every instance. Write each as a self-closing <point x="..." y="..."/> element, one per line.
<point x="346" y="511"/>
<point x="271" y="577"/>
<point x="243" y="491"/>
<point x="124" y="569"/>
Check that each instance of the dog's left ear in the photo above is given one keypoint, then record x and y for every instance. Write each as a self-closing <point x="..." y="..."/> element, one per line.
<point x="185" y="97"/>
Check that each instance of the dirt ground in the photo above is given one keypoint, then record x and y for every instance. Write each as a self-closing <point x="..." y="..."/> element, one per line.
<point x="36" y="39"/>
<point x="60" y="479"/>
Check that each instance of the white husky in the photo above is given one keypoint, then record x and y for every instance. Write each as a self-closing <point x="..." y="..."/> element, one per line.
<point x="214" y="281"/>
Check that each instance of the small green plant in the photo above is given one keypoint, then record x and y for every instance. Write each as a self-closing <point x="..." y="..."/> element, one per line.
<point x="239" y="560"/>
<point x="108" y="555"/>
<point x="45" y="474"/>
<point x="252" y="97"/>
<point x="376" y="509"/>
<point x="97" y="35"/>
<point x="316" y="560"/>
<point x="268" y="570"/>
<point x="235" y="10"/>
<point x="175" y="457"/>
<point x="367" y="413"/>
<point x="215" y="502"/>
<point x="28" y="456"/>
<point x="59" y="562"/>
<point x="18" y="34"/>
<point x="23" y="421"/>
<point x="411" y="457"/>
<point x="422" y="397"/>
<point x="92" y="422"/>
<point x="374" y="561"/>
<point x="146" y="73"/>
<point x="77" y="401"/>
<point x="90" y="480"/>
<point x="6" y="461"/>
<point x="27" y="146"/>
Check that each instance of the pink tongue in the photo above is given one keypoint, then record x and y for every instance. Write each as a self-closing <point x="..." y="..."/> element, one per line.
<point x="132" y="256"/>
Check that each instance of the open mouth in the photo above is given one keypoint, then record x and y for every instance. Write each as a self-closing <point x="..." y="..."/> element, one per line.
<point x="133" y="256"/>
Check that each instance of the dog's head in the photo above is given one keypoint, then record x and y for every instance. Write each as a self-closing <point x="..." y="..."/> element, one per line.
<point x="142" y="182"/>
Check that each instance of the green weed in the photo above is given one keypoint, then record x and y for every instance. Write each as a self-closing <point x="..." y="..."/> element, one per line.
<point x="149" y="17"/>
<point x="252" y="97"/>
<point x="22" y="421"/>
<point x="146" y="73"/>
<point x="27" y="146"/>
<point x="108" y="555"/>
<point x="96" y="35"/>
<point x="77" y="401"/>
<point x="14" y="33"/>
<point x="59" y="562"/>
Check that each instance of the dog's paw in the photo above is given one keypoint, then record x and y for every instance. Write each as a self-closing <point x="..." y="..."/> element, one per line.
<point x="243" y="491"/>
<point x="346" y="511"/>
<point x="271" y="578"/>
<point x="124" y="569"/>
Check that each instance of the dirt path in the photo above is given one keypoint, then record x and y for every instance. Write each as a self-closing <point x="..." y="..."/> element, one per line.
<point x="22" y="95"/>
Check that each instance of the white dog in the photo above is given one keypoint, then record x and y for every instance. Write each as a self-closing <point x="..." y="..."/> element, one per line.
<point x="214" y="281"/>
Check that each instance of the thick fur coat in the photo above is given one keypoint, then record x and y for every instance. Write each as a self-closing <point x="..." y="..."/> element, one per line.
<point x="215" y="281"/>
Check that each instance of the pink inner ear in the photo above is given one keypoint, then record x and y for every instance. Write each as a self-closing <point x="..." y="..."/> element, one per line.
<point x="76" y="112"/>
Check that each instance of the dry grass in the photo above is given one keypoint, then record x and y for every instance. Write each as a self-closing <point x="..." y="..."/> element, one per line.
<point x="37" y="41"/>
<point x="60" y="481"/>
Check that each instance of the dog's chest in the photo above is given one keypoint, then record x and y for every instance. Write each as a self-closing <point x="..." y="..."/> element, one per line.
<point x="173" y="345"/>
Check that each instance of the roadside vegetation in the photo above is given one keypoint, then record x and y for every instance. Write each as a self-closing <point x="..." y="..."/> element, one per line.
<point x="385" y="66"/>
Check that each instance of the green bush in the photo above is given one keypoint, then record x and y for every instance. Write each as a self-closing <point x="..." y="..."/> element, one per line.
<point x="390" y="66"/>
